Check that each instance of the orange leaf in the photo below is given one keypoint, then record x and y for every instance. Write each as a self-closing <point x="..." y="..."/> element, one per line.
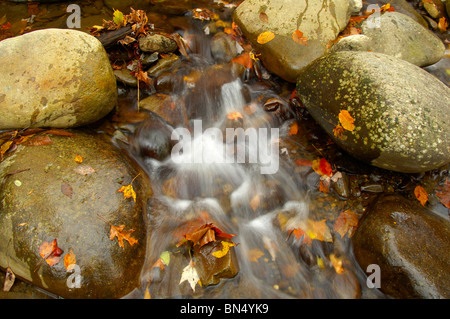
<point x="443" y="193"/>
<point x="303" y="162"/>
<point x="298" y="37"/>
<point x="346" y="223"/>
<point x="78" y="159"/>
<point x="121" y="235"/>
<point x="244" y="59"/>
<point x="324" y="187"/>
<point x="421" y="195"/>
<point x="293" y="130"/>
<point x="346" y="120"/>
<point x="265" y="37"/>
<point x="442" y="25"/>
<point x="50" y="252"/>
<point x="338" y="131"/>
<point x="69" y="259"/>
<point x="298" y="233"/>
<point x="234" y="115"/>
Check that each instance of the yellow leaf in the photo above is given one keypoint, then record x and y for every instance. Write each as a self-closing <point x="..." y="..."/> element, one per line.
<point x="226" y="247"/>
<point x="265" y="37"/>
<point x="347" y="121"/>
<point x="128" y="192"/>
<point x="337" y="264"/>
<point x="78" y="159"/>
<point x="118" y="18"/>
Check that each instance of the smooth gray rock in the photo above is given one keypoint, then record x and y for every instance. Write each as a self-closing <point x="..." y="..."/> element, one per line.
<point x="397" y="35"/>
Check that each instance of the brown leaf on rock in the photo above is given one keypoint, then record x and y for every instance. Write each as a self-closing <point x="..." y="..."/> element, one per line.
<point x="10" y="277"/>
<point x="263" y="17"/>
<point x="38" y="140"/>
<point x="66" y="189"/>
<point x="121" y="234"/>
<point x="84" y="170"/>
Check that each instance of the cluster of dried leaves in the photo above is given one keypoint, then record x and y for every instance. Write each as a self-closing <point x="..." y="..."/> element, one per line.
<point x="30" y="137"/>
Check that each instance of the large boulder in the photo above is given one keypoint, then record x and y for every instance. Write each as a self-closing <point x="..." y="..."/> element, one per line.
<point x="400" y="123"/>
<point x="45" y="195"/>
<point x="411" y="246"/>
<point x="319" y="21"/>
<point x="397" y="35"/>
<point x="54" y="78"/>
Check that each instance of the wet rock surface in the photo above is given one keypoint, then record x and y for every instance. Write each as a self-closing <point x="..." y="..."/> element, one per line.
<point x="397" y="35"/>
<point x="65" y="81"/>
<point x="399" y="123"/>
<point x="76" y="204"/>
<point x="319" y="21"/>
<point x="409" y="243"/>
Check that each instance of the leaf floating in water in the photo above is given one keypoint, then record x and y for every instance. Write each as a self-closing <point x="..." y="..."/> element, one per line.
<point x="346" y="223"/>
<point x="265" y="37"/>
<point x="443" y="193"/>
